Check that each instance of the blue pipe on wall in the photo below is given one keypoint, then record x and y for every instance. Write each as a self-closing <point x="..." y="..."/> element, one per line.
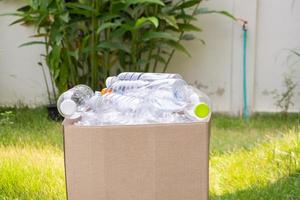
<point x="245" y="97"/>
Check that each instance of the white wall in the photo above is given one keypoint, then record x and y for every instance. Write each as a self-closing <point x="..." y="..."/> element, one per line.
<point x="278" y="31"/>
<point x="21" y="80"/>
<point x="273" y="28"/>
<point x="215" y="67"/>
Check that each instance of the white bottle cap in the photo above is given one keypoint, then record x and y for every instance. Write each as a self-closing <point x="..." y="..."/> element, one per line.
<point x="68" y="107"/>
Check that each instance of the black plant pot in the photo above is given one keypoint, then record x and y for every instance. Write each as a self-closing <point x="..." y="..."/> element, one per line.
<point x="53" y="113"/>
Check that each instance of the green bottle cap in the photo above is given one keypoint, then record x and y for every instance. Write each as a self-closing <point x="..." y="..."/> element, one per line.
<point x="202" y="110"/>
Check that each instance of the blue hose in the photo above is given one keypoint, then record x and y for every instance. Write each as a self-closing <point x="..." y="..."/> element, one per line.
<point x="245" y="107"/>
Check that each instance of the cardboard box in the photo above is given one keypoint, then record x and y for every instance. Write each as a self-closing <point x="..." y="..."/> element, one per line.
<point x="141" y="162"/>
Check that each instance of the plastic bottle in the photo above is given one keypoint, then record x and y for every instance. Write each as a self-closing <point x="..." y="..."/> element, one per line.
<point x="199" y="106"/>
<point x="123" y="103"/>
<point x="173" y="88"/>
<point x="95" y="102"/>
<point x="165" y="95"/>
<point x="140" y="76"/>
<point x="74" y="101"/>
<point x="126" y="86"/>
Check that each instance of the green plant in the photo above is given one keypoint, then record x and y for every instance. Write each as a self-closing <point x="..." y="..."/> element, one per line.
<point x="86" y="41"/>
<point x="6" y="117"/>
<point x="284" y="100"/>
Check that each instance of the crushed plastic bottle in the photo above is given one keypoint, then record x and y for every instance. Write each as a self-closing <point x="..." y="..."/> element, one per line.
<point x="136" y="98"/>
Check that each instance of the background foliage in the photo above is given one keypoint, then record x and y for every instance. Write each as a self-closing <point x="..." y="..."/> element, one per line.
<point x="86" y="41"/>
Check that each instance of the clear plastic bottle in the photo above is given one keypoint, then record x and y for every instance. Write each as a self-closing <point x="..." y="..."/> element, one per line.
<point x="166" y="95"/>
<point x="126" y="86"/>
<point x="74" y="101"/>
<point x="95" y="103"/>
<point x="140" y="76"/>
<point x="123" y="103"/>
<point x="174" y="88"/>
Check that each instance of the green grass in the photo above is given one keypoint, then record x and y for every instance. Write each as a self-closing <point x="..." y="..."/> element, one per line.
<point x="31" y="157"/>
<point x="258" y="159"/>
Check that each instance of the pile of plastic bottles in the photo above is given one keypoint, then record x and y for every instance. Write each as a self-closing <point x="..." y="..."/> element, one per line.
<point x="136" y="98"/>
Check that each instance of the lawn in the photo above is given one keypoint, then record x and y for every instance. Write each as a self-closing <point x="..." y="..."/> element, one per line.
<point x="258" y="159"/>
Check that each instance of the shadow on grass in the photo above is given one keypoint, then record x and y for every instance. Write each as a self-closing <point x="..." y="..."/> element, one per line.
<point x="287" y="188"/>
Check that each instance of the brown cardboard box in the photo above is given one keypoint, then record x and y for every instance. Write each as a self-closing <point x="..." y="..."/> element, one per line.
<point x="142" y="162"/>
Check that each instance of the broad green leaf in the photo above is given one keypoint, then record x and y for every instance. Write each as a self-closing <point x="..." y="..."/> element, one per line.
<point x="113" y="46"/>
<point x="62" y="81"/>
<point x="201" y="11"/>
<point x="119" y="32"/>
<point x="188" y="37"/>
<point x="82" y="9"/>
<point x="56" y="35"/>
<point x="167" y="9"/>
<point x="34" y="4"/>
<point x="159" y="2"/>
<point x="176" y="45"/>
<point x="80" y="12"/>
<point x="106" y="26"/>
<point x="143" y="20"/>
<point x="170" y="20"/>
<point x="25" y="8"/>
<point x="119" y="6"/>
<point x="158" y="35"/>
<point x="188" y="28"/>
<point x="53" y="61"/>
<point x="108" y="17"/>
<point x="19" y="14"/>
<point x="225" y="13"/>
<point x="158" y="58"/>
<point x="18" y="21"/>
<point x="80" y="6"/>
<point x="39" y="35"/>
<point x="187" y="4"/>
<point x="65" y="17"/>
<point x="32" y="43"/>
<point x="74" y="54"/>
<point x="186" y="17"/>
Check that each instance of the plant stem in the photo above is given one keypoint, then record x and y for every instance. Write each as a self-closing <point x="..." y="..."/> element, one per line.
<point x="94" y="46"/>
<point x="51" y="75"/>
<point x="149" y="60"/>
<point x="133" y="52"/>
<point x="151" y="45"/>
<point x="107" y="53"/>
<point x="46" y="82"/>
<point x="156" y="61"/>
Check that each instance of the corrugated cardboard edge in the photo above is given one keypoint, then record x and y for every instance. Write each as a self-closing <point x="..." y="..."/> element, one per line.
<point x="208" y="151"/>
<point x="67" y="123"/>
<point x="64" y="146"/>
